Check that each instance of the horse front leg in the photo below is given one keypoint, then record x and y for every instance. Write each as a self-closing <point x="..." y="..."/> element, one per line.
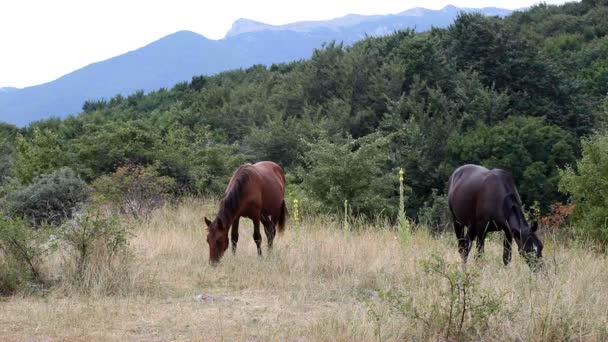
<point x="257" y="237"/>
<point x="507" y="243"/>
<point x="234" y="235"/>
<point x="481" y="241"/>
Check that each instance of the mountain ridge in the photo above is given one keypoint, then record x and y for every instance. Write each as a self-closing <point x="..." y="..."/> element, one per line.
<point x="181" y="55"/>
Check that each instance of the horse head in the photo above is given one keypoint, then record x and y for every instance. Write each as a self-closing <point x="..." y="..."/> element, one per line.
<point x="217" y="238"/>
<point x="530" y="246"/>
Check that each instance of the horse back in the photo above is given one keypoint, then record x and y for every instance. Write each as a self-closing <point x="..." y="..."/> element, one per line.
<point x="271" y="185"/>
<point x="476" y="195"/>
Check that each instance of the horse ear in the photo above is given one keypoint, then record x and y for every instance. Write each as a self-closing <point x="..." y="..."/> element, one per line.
<point x="207" y="221"/>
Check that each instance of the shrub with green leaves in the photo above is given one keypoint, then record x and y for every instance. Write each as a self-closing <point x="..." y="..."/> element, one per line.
<point x="587" y="185"/>
<point x="358" y="171"/>
<point x="98" y="248"/>
<point x="51" y="198"/>
<point x="21" y="252"/>
<point x="435" y="214"/>
<point x="134" y="190"/>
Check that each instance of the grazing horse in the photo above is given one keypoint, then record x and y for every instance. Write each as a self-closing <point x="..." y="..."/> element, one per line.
<point x="256" y="192"/>
<point x="487" y="200"/>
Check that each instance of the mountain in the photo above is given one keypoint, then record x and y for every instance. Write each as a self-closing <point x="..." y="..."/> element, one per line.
<point x="184" y="54"/>
<point x="5" y="90"/>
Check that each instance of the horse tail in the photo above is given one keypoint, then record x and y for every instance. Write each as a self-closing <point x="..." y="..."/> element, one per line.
<point x="282" y="217"/>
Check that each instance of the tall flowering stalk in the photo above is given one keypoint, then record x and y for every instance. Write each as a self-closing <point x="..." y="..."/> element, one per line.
<point x="296" y="211"/>
<point x="296" y="217"/>
<point x="346" y="226"/>
<point x="403" y="224"/>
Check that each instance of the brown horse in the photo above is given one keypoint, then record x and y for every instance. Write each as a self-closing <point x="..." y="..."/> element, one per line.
<point x="487" y="200"/>
<point x="256" y="192"/>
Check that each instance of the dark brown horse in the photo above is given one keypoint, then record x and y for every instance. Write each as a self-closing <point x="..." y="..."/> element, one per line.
<point x="257" y="192"/>
<point x="487" y="200"/>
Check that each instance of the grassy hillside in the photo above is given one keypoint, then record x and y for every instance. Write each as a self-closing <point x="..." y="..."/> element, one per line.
<point x="321" y="283"/>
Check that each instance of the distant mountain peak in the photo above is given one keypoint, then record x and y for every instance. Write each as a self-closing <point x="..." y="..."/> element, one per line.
<point x="7" y="89"/>
<point x="450" y="8"/>
<point x="243" y="25"/>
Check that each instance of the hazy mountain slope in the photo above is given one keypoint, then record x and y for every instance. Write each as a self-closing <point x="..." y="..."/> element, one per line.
<point x="184" y="54"/>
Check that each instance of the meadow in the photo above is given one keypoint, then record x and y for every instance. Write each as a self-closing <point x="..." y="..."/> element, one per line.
<point x="320" y="283"/>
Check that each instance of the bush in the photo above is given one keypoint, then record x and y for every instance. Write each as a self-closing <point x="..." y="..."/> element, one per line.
<point x="98" y="252"/>
<point x="49" y="199"/>
<point x="21" y="252"/>
<point x="587" y="187"/>
<point x="358" y="171"/>
<point x="435" y="213"/>
<point x="461" y="309"/>
<point x="134" y="190"/>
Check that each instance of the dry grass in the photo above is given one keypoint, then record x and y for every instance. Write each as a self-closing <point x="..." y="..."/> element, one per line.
<point x="318" y="284"/>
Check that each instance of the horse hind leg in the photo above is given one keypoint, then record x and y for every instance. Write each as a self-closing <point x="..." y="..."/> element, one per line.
<point x="269" y="229"/>
<point x="257" y="237"/>
<point x="464" y="243"/>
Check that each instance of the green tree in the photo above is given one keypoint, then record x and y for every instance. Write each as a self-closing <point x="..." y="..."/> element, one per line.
<point x="587" y="186"/>
<point x="357" y="171"/>
<point x="38" y="154"/>
<point x="530" y="149"/>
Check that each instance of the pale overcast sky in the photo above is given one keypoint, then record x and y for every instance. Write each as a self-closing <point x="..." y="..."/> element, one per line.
<point x="41" y="40"/>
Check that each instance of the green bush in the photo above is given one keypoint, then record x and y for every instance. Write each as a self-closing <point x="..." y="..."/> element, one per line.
<point x="49" y="199"/>
<point x="358" y="171"/>
<point x="435" y="214"/>
<point x="587" y="186"/>
<point x="98" y="252"/>
<point x="134" y="190"/>
<point x="22" y="250"/>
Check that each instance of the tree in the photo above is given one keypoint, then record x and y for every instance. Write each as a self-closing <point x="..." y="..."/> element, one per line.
<point x="357" y="171"/>
<point x="530" y="149"/>
<point x="587" y="186"/>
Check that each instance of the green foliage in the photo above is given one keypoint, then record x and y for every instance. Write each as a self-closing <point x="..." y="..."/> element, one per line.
<point x="7" y="151"/>
<point x="134" y="190"/>
<point x="21" y="252"/>
<point x="439" y="99"/>
<point x="531" y="150"/>
<point x="587" y="185"/>
<point x="98" y="247"/>
<point x="435" y="214"/>
<point x="39" y="154"/>
<point x="49" y="199"/>
<point x="357" y="171"/>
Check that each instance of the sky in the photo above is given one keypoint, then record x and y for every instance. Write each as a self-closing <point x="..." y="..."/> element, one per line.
<point x="41" y="40"/>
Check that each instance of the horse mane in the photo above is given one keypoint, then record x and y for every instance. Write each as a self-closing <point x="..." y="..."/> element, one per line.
<point x="231" y="200"/>
<point x="511" y="198"/>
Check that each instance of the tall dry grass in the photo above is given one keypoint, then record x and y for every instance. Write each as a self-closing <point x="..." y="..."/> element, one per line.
<point x="321" y="283"/>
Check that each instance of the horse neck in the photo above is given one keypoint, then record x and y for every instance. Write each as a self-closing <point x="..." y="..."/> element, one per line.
<point x="230" y="204"/>
<point x="517" y="222"/>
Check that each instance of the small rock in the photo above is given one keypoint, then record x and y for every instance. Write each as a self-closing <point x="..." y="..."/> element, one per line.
<point x="204" y="298"/>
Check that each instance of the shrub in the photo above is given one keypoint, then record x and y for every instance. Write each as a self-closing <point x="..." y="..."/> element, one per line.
<point x="461" y="310"/>
<point x="435" y="213"/>
<point x="49" y="199"/>
<point x="98" y="255"/>
<point x="587" y="186"/>
<point x="21" y="252"/>
<point x="134" y="190"/>
<point x="358" y="171"/>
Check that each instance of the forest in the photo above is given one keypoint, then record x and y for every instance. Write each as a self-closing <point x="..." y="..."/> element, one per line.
<point x="527" y="93"/>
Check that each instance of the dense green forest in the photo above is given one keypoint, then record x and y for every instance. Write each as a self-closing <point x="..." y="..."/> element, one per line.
<point x="519" y="93"/>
